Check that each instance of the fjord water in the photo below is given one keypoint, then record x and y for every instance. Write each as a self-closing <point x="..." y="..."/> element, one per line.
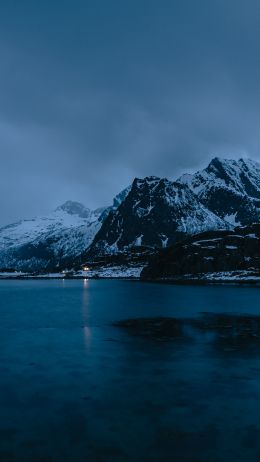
<point x="75" y="388"/>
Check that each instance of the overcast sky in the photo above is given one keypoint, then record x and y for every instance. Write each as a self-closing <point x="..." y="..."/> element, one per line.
<point x="94" y="93"/>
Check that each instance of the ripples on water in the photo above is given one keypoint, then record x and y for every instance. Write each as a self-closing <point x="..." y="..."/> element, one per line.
<point x="76" y="387"/>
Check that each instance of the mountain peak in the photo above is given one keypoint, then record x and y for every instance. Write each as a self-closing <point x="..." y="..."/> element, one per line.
<point x="152" y="178"/>
<point x="147" y="183"/>
<point x="218" y="163"/>
<point x="74" y="208"/>
<point x="148" y="179"/>
<point x="155" y="213"/>
<point x="242" y="162"/>
<point x="230" y="188"/>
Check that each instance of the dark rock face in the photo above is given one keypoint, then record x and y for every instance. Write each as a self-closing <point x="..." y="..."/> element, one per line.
<point x="149" y="215"/>
<point x="230" y="189"/>
<point x="155" y="213"/>
<point x="208" y="252"/>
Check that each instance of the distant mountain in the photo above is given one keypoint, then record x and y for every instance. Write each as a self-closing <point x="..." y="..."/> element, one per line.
<point x="54" y="241"/>
<point x="75" y="208"/>
<point x="49" y="241"/>
<point x="229" y="188"/>
<point x="150" y="214"/>
<point x="209" y="252"/>
<point x="155" y="212"/>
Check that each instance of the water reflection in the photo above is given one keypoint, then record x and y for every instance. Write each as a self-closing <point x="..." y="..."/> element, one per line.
<point x="86" y="313"/>
<point x="87" y="336"/>
<point x="85" y="301"/>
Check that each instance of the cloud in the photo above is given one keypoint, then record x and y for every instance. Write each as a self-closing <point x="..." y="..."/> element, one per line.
<point x="93" y="95"/>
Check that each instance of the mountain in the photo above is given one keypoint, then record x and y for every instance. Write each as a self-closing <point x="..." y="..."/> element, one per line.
<point x="75" y="208"/>
<point x="120" y="197"/>
<point x="155" y="212"/>
<point x="152" y="213"/>
<point x="229" y="188"/>
<point x="54" y="241"/>
<point x="46" y="242"/>
<point x="209" y="252"/>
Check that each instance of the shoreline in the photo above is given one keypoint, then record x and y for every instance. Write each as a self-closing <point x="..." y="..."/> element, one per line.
<point x="169" y="281"/>
<point x="203" y="282"/>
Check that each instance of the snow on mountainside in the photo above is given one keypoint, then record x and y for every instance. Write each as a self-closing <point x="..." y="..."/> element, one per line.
<point x="121" y="197"/>
<point x="37" y="243"/>
<point x="229" y="188"/>
<point x="154" y="213"/>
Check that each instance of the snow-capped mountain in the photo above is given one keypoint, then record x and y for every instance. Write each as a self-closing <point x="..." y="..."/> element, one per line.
<point x="155" y="213"/>
<point x="48" y="241"/>
<point x="75" y="208"/>
<point x="229" y="188"/>
<point x="151" y="212"/>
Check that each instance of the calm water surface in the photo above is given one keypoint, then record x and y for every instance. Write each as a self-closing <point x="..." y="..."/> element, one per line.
<point x="74" y="388"/>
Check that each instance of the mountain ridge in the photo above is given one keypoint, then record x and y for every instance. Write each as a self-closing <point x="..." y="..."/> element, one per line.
<point x="230" y="188"/>
<point x="152" y="212"/>
<point x="153" y="201"/>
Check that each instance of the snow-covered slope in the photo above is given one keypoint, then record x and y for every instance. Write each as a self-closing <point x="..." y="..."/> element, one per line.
<point x="155" y="212"/>
<point x="152" y="212"/>
<point x="48" y="241"/>
<point x="229" y="188"/>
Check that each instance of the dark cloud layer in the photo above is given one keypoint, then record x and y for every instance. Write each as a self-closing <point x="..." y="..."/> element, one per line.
<point x="93" y="93"/>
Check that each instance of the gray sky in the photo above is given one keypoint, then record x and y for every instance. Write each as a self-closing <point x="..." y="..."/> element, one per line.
<point x="94" y="93"/>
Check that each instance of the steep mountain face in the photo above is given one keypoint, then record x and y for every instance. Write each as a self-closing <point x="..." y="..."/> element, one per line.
<point x="121" y="197"/>
<point x="50" y="241"/>
<point x="118" y="199"/>
<point x="151" y="213"/>
<point x="229" y="188"/>
<point x="210" y="252"/>
<point x="155" y="212"/>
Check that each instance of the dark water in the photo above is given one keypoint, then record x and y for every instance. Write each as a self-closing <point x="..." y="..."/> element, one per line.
<point x="74" y="388"/>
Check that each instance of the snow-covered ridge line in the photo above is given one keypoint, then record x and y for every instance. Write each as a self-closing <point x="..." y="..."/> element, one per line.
<point x="229" y="188"/>
<point x="151" y="213"/>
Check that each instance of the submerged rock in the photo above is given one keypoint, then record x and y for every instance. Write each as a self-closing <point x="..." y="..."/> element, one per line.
<point x="159" y="328"/>
<point x="230" y="330"/>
